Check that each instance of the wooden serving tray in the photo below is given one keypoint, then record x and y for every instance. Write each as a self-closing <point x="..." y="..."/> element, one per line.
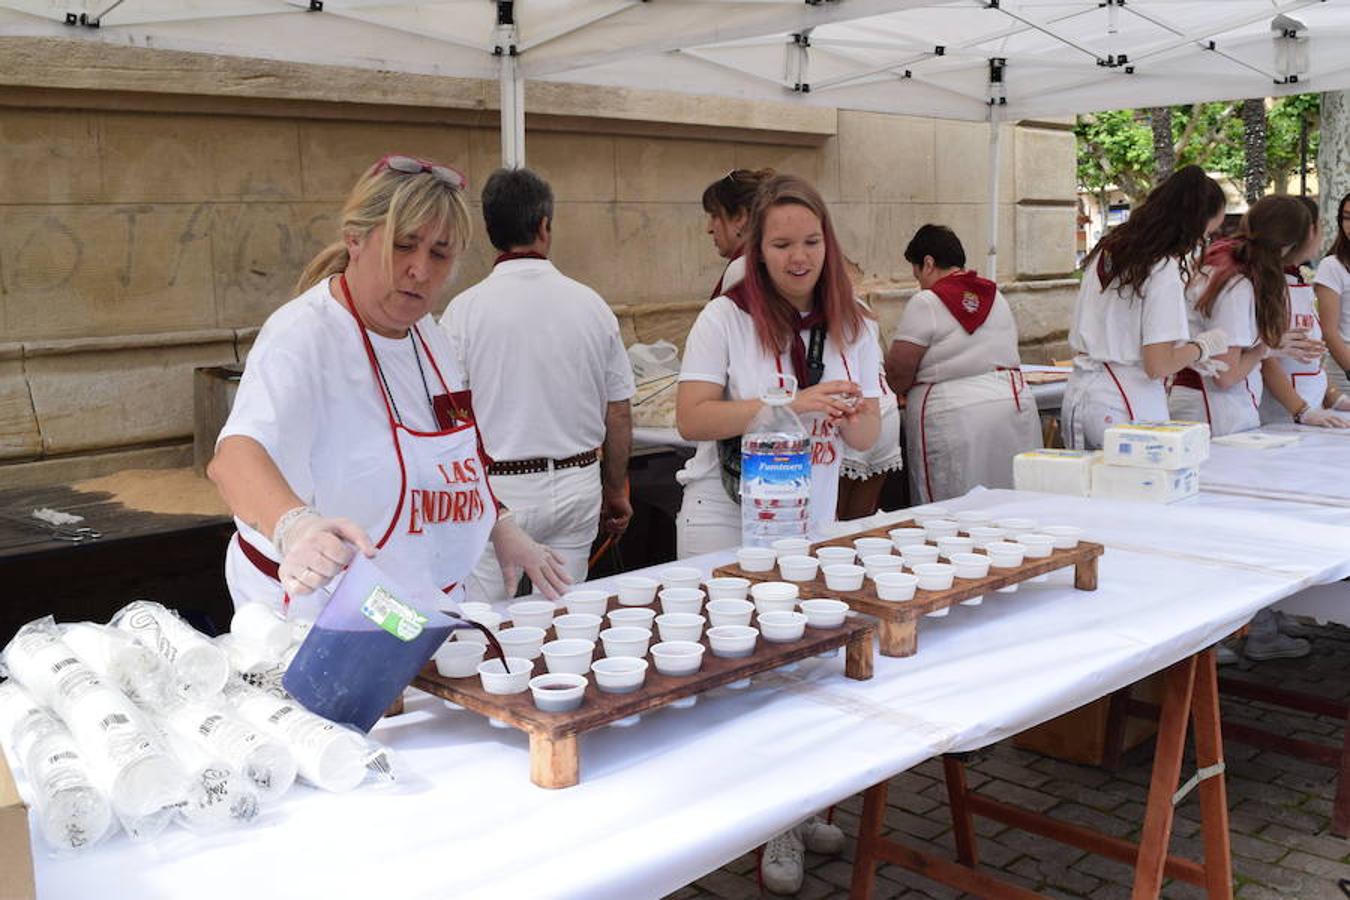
<point x="898" y="621"/>
<point x="555" y="760"/>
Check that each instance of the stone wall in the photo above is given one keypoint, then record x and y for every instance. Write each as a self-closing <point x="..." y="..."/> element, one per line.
<point x="156" y="207"/>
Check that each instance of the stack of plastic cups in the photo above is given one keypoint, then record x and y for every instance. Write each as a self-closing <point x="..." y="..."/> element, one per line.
<point x="141" y="778"/>
<point x="120" y="660"/>
<point x="267" y="762"/>
<point x="218" y="797"/>
<point x="199" y="667"/>
<point x="328" y="756"/>
<point x="72" y="813"/>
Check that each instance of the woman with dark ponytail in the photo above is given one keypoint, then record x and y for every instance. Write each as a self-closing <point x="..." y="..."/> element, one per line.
<point x="1241" y="290"/>
<point x="728" y="202"/>
<point x="1130" y="330"/>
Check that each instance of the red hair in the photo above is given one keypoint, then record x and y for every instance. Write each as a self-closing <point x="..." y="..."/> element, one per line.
<point x="776" y="320"/>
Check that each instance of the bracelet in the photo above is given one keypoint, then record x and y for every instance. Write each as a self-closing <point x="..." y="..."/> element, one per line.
<point x="1200" y="348"/>
<point x="288" y="519"/>
<point x="1298" y="416"/>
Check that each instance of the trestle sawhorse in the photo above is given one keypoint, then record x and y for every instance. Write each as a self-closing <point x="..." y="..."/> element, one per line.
<point x="1190" y="692"/>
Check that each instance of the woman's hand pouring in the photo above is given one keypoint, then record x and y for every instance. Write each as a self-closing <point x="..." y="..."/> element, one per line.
<point x="517" y="551"/>
<point x="314" y="549"/>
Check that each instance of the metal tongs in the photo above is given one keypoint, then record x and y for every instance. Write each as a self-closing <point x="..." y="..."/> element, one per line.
<point x="69" y="533"/>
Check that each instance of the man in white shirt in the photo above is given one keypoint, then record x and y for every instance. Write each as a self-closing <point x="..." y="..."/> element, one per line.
<point x="551" y="385"/>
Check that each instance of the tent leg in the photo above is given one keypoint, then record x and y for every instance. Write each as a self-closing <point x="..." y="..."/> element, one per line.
<point x="995" y="140"/>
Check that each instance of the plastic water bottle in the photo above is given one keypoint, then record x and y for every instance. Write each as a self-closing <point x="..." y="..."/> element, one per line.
<point x="775" y="470"/>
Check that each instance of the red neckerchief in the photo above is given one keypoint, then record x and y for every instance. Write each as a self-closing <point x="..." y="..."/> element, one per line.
<point x="717" y="291"/>
<point x="517" y="254"/>
<point x="968" y="297"/>
<point x="740" y="295"/>
<point x="1298" y="274"/>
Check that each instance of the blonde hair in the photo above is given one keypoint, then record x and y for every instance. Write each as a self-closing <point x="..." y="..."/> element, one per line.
<point x="403" y="203"/>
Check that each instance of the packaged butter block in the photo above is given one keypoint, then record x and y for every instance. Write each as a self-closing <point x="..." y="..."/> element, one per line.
<point x="1151" y="485"/>
<point x="1161" y="445"/>
<point x="1056" y="471"/>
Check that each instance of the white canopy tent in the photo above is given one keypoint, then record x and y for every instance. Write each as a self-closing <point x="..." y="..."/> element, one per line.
<point x="989" y="60"/>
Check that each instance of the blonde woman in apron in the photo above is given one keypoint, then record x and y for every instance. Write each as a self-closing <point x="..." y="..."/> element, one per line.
<point x="1130" y="329"/>
<point x="349" y="432"/>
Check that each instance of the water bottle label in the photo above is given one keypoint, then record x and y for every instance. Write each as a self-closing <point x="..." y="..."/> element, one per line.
<point x="392" y="614"/>
<point x="778" y="470"/>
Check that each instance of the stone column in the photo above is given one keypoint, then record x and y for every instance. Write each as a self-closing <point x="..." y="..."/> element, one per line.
<point x="1333" y="158"/>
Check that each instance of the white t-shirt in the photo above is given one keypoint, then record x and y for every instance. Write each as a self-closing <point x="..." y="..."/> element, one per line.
<point x="1113" y="325"/>
<point x="310" y="397"/>
<point x="543" y="356"/>
<point x="722" y="348"/>
<point x="1331" y="272"/>
<point x="952" y="351"/>
<point x="1234" y="311"/>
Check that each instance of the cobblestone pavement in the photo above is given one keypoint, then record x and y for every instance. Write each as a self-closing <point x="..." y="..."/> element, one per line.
<point x="1279" y="808"/>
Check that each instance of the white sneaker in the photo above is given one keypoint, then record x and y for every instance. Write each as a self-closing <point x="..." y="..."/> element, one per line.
<point x="822" y="837"/>
<point x="1225" y="656"/>
<point x="781" y="866"/>
<point x="1275" y="646"/>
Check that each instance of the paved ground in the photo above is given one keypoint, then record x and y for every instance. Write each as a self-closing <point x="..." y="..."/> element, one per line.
<point x="1279" y="807"/>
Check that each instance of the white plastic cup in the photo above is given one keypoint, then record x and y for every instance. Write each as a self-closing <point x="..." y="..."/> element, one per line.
<point x="635" y="617"/>
<point x="872" y="546"/>
<point x="935" y="576"/>
<point x="677" y="658"/>
<point x="577" y="626"/>
<point x="783" y="626"/>
<point x="522" y="641"/>
<point x="626" y="640"/>
<point x="257" y="625"/>
<point x="729" y="612"/>
<point x="836" y="556"/>
<point x="637" y="590"/>
<point x="680" y="626"/>
<point x="1039" y="546"/>
<point x="844" y="578"/>
<point x="791" y="547"/>
<point x="756" y="559"/>
<point x="514" y="680"/>
<point x="972" y="518"/>
<point x="732" y="641"/>
<point x="875" y="564"/>
<point x="896" y="587"/>
<point x="983" y="535"/>
<point x="587" y="602"/>
<point x="970" y="565"/>
<point x="459" y="659"/>
<point x="906" y="537"/>
<point x="919" y="554"/>
<point x="536" y="613"/>
<point x="1066" y="536"/>
<point x="728" y="588"/>
<point x="568" y="656"/>
<point x="948" y="546"/>
<point x="680" y="577"/>
<point x="1016" y="525"/>
<point x="798" y="568"/>
<point x="681" y="600"/>
<point x="558" y="691"/>
<point x="934" y="529"/>
<point x="619" y="674"/>
<point x="824" y="613"/>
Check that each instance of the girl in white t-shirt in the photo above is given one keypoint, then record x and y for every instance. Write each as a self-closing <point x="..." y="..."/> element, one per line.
<point x="1129" y="328"/>
<point x="1297" y="388"/>
<point x="968" y="411"/>
<point x="1241" y="290"/>
<point x="795" y="283"/>
<point x="1332" y="288"/>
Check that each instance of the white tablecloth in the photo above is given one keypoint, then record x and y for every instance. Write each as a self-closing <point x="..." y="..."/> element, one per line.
<point x="685" y="791"/>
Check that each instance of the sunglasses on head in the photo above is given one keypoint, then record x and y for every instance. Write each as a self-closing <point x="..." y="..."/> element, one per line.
<point x="411" y="165"/>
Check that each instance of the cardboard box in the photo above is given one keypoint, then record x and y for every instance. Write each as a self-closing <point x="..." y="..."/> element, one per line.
<point x="16" y="851"/>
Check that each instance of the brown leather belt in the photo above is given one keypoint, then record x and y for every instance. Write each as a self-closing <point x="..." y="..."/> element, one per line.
<point x="542" y="464"/>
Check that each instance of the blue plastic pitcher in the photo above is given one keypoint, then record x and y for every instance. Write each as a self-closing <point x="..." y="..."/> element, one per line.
<point x="366" y="646"/>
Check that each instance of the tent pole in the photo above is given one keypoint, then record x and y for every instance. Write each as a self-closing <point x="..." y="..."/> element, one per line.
<point x="512" y="113"/>
<point x="995" y="140"/>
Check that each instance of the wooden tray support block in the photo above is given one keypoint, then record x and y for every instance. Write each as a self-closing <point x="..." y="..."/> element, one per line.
<point x="899" y="637"/>
<point x="1085" y="574"/>
<point x="554" y="761"/>
<point x="858" y="657"/>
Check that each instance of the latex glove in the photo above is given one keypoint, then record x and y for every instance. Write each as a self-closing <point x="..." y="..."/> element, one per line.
<point x="1212" y="343"/>
<point x="1323" y="418"/>
<point x="314" y="549"/>
<point x="1211" y="368"/>
<point x="1301" y="347"/>
<point x="517" y="551"/>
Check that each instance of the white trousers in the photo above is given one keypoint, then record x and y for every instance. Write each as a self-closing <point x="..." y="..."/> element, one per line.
<point x="708" y="520"/>
<point x="560" y="509"/>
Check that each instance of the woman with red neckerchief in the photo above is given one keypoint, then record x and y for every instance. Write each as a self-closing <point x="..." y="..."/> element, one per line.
<point x="350" y="431"/>
<point x="954" y="355"/>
